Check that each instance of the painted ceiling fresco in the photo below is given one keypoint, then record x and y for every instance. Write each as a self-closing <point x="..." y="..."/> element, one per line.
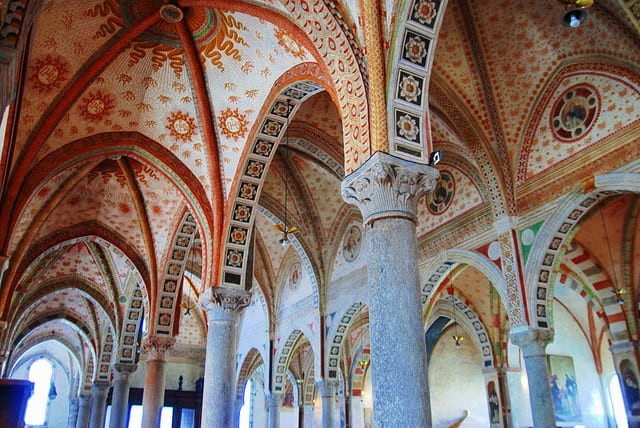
<point x="129" y="113"/>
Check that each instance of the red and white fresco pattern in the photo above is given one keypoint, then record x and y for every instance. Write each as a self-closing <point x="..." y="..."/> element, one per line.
<point x="192" y="329"/>
<point x="104" y="196"/>
<point x="325" y="190"/>
<point x="75" y="260"/>
<point x="66" y="301"/>
<point x="38" y="198"/>
<point x="466" y="197"/>
<point x="619" y="100"/>
<point x="454" y="63"/>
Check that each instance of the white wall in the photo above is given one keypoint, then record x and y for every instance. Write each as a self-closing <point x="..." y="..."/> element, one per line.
<point x="457" y="383"/>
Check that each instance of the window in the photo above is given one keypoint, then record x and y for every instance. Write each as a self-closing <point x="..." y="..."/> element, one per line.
<point x="617" y="401"/>
<point x="245" y="411"/>
<point x="40" y="374"/>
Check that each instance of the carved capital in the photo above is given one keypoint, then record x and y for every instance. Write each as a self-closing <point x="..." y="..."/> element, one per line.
<point x="532" y="341"/>
<point x="387" y="186"/>
<point x="217" y="300"/>
<point x="157" y="346"/>
<point x="123" y="371"/>
<point x="101" y="386"/>
<point x="328" y="387"/>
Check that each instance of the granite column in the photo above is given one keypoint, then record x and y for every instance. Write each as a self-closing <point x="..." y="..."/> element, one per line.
<point x="387" y="189"/>
<point x="156" y="348"/>
<point x="275" y="402"/>
<point x="533" y="342"/>
<point x="223" y="307"/>
<point x="120" y="394"/>
<point x="72" y="417"/>
<point x="84" y="411"/>
<point x="328" y="389"/>
<point x="99" y="403"/>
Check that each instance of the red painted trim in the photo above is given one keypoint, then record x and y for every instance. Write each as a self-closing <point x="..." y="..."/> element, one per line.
<point x="523" y="290"/>
<point x="205" y="111"/>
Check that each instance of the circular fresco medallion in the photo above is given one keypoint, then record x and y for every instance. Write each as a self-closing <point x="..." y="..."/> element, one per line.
<point x="440" y="199"/>
<point x="351" y="243"/>
<point x="575" y="112"/>
<point x="294" y="276"/>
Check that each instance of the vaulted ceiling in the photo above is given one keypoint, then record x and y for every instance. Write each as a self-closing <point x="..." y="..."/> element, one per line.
<point x="132" y="116"/>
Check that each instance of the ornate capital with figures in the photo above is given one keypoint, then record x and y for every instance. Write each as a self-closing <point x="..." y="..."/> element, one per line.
<point x="387" y="186"/>
<point x="157" y="346"/>
<point x="224" y="299"/>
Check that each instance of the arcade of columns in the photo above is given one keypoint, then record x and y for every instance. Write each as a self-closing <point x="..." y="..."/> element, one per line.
<point x="386" y="190"/>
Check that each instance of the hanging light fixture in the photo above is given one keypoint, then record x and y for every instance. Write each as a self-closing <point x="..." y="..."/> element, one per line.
<point x="284" y="227"/>
<point x="618" y="291"/>
<point x="575" y="12"/>
<point x="457" y="339"/>
<point x="188" y="305"/>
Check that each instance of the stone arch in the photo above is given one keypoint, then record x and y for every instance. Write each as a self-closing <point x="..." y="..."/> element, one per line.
<point x="283" y="274"/>
<point x="252" y="170"/>
<point x="359" y="370"/>
<point x="540" y="269"/>
<point x="414" y="50"/>
<point x="283" y="358"/>
<point x="447" y="260"/>
<point x="137" y="306"/>
<point x="335" y="340"/>
<point x="470" y="323"/>
<point x="58" y="284"/>
<point x="108" y="350"/>
<point x="165" y="321"/>
<point x="335" y="44"/>
<point x="252" y="360"/>
<point x="596" y="288"/>
<point x="16" y="357"/>
<point x="23" y="340"/>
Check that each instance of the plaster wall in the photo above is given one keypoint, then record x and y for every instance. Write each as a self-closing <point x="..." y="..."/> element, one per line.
<point x="569" y="340"/>
<point x="457" y="383"/>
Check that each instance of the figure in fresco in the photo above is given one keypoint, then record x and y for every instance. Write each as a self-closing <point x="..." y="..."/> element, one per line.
<point x="630" y="387"/>
<point x="494" y="403"/>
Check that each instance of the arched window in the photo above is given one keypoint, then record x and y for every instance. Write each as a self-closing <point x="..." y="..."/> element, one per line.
<point x="245" y="411"/>
<point x="615" y="392"/>
<point x="40" y="373"/>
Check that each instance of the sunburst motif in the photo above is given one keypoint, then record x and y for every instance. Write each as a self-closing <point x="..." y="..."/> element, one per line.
<point x="48" y="73"/>
<point x="290" y="45"/>
<point x="96" y="106"/>
<point x="233" y="124"/>
<point x="181" y="126"/>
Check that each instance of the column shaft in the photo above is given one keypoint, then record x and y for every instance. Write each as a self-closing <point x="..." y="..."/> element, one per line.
<point x="328" y="390"/>
<point x="533" y="343"/>
<point x="223" y="307"/>
<point x="84" y="411"/>
<point x="99" y="404"/>
<point x="387" y="190"/>
<point x="72" y="418"/>
<point x="275" y="401"/>
<point x="120" y="395"/>
<point x="153" y="394"/>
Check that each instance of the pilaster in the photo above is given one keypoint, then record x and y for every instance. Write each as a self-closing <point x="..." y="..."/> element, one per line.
<point x="72" y="417"/>
<point x="223" y="306"/>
